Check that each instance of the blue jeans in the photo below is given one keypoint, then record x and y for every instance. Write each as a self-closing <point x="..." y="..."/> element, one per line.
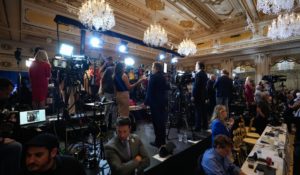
<point x="10" y="157"/>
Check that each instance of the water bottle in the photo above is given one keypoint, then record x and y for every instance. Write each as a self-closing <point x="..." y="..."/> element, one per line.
<point x="185" y="139"/>
<point x="136" y="171"/>
<point x="90" y="139"/>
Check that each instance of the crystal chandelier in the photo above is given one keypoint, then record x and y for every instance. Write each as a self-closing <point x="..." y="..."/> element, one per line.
<point x="284" y="26"/>
<point x="274" y="6"/>
<point x="187" y="47"/>
<point x="155" y="35"/>
<point x="97" y="14"/>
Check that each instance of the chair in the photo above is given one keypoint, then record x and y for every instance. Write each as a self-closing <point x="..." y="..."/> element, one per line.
<point x="250" y="128"/>
<point x="246" y="133"/>
<point x="199" y="169"/>
<point x="237" y="150"/>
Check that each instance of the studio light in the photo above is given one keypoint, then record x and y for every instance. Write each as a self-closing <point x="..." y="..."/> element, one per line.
<point x="161" y="56"/>
<point x="29" y="62"/>
<point x="129" y="61"/>
<point x="95" y="42"/>
<point x="122" y="48"/>
<point x="66" y="50"/>
<point x="174" y="60"/>
<point x="165" y="68"/>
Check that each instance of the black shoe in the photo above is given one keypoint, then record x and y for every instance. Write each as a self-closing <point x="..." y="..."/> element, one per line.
<point x="154" y="144"/>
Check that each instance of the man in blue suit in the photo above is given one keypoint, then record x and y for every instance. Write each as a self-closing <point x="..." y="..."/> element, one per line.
<point x="156" y="98"/>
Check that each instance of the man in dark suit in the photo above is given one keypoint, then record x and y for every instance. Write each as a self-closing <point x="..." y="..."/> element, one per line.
<point x="199" y="96"/>
<point x="211" y="92"/>
<point x="223" y="86"/>
<point x="125" y="153"/>
<point x="156" y="98"/>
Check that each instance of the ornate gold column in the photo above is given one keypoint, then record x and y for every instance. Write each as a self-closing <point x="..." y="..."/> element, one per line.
<point x="262" y="64"/>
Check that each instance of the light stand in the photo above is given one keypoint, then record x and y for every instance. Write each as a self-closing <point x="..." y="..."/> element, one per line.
<point x="18" y="58"/>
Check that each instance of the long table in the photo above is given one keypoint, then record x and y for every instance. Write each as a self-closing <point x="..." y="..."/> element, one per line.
<point x="274" y="147"/>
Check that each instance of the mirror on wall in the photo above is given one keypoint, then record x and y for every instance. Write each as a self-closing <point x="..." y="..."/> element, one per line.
<point x="289" y="68"/>
<point x="242" y="72"/>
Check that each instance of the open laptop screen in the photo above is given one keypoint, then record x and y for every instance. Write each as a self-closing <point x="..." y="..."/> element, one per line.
<point x="32" y="117"/>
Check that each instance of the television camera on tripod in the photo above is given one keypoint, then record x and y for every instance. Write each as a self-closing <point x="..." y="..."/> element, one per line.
<point x="180" y="106"/>
<point x="67" y="76"/>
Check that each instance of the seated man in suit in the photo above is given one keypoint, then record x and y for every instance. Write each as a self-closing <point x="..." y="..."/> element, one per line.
<point x="125" y="153"/>
<point x="42" y="158"/>
<point x="215" y="160"/>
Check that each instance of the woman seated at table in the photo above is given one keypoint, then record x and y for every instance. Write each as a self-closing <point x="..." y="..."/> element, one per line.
<point x="218" y="122"/>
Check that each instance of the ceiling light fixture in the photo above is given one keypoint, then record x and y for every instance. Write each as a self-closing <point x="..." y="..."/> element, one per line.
<point x="284" y="26"/>
<point x="274" y="6"/>
<point x="97" y="14"/>
<point x="155" y="35"/>
<point x="187" y="47"/>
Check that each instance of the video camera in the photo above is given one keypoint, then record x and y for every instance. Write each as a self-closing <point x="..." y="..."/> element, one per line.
<point x="71" y="69"/>
<point x="274" y="78"/>
<point x="183" y="78"/>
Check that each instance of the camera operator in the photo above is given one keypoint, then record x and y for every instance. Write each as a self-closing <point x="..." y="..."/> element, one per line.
<point x="39" y="73"/>
<point x="199" y="96"/>
<point x="10" y="150"/>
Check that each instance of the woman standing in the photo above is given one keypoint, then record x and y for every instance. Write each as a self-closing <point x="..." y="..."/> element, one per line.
<point x="218" y="123"/>
<point x="39" y="73"/>
<point x="249" y="91"/>
<point x="122" y="87"/>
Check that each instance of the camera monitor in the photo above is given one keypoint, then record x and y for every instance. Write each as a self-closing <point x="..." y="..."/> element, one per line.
<point x="60" y="63"/>
<point x="32" y="117"/>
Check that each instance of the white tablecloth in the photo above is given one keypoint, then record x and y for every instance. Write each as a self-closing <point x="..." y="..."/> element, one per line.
<point x="271" y="150"/>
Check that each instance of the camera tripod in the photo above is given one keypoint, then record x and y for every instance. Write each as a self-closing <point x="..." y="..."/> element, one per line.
<point x="98" y="129"/>
<point x="181" y="110"/>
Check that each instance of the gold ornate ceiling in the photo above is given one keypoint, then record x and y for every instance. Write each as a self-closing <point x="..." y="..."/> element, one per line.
<point x="216" y="26"/>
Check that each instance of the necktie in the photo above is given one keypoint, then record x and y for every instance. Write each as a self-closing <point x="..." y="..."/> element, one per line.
<point x="128" y="149"/>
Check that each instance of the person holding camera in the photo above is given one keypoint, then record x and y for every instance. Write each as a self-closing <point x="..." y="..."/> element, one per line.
<point x="10" y="150"/>
<point x="125" y="153"/>
<point x="39" y="73"/>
